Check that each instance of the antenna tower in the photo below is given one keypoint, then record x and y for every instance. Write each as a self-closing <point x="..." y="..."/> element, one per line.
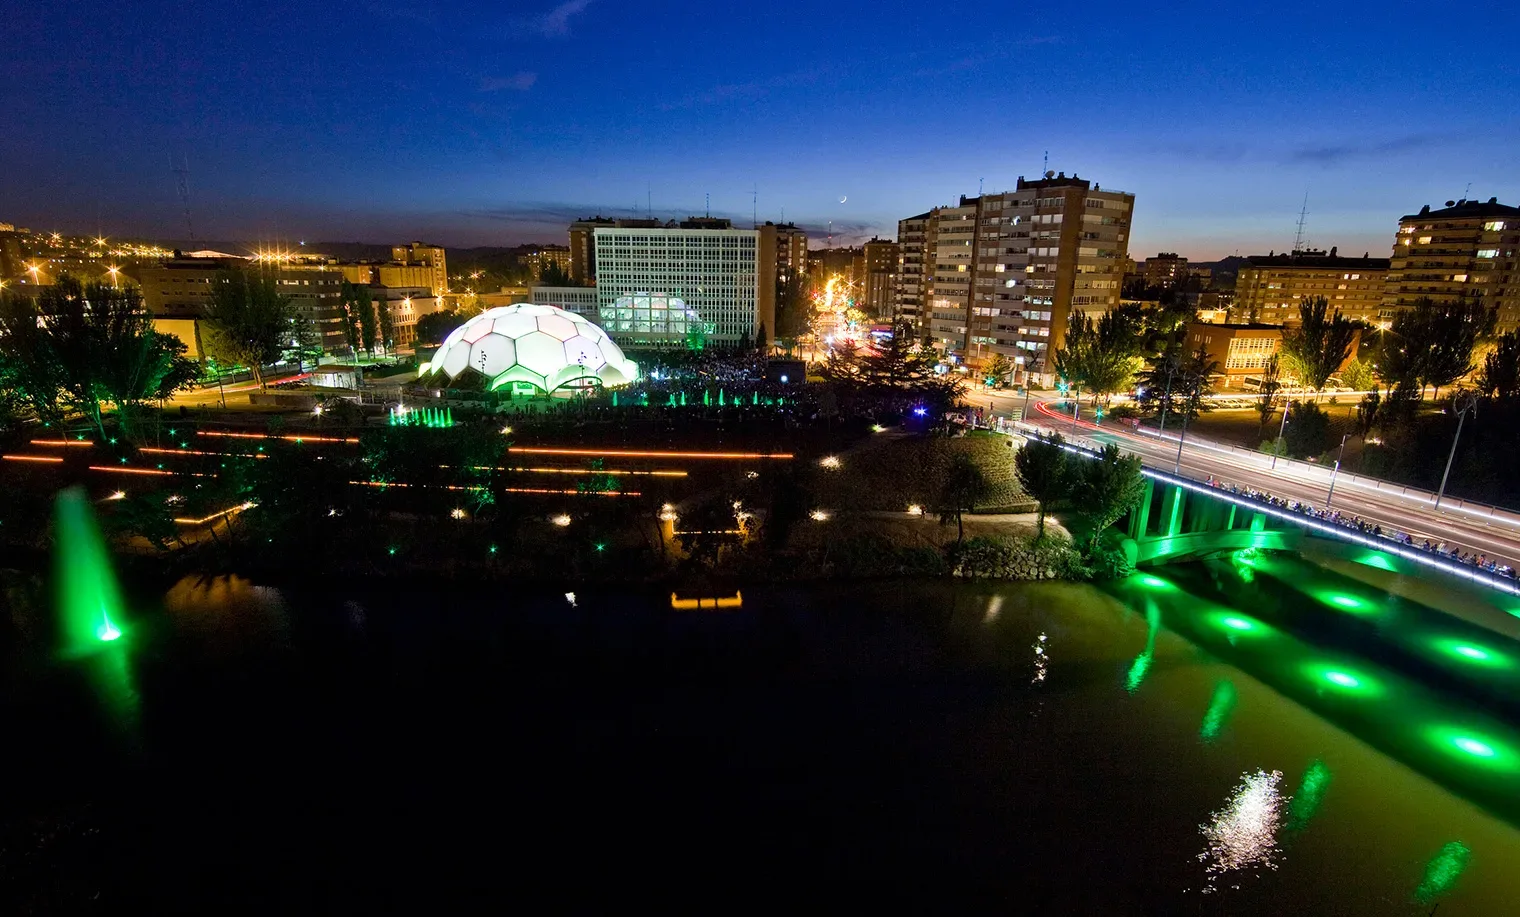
<point x="754" y="206"/>
<point x="182" y="180"/>
<point x="708" y="204"/>
<point x="1046" y="167"/>
<point x="1303" y="214"/>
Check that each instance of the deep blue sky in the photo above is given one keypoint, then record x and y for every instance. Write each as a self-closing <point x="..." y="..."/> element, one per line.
<point x="495" y="123"/>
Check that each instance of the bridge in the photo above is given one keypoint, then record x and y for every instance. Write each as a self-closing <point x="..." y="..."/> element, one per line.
<point x="1181" y="519"/>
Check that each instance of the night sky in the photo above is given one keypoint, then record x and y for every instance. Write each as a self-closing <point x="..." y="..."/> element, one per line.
<point x="497" y="123"/>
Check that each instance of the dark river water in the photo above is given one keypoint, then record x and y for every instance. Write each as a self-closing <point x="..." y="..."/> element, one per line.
<point x="1218" y="739"/>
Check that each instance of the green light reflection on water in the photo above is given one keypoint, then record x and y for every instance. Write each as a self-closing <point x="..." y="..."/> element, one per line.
<point x="1142" y="663"/>
<point x="1442" y="872"/>
<point x="1221" y="705"/>
<point x="1309" y="796"/>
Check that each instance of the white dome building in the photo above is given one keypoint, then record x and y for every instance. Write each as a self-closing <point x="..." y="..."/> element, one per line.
<point x="544" y="346"/>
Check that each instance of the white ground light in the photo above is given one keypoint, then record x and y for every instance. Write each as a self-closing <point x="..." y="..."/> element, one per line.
<point x="542" y="345"/>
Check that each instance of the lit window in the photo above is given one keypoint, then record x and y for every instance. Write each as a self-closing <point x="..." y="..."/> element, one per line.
<point x="1459" y="278"/>
<point x="1424" y="240"/>
<point x="1494" y="226"/>
<point x="1488" y="253"/>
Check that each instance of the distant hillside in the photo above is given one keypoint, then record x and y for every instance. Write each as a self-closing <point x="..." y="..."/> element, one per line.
<point x="1223" y="271"/>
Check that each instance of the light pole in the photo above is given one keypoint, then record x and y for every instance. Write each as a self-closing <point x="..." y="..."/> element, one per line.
<point x="1463" y="404"/>
<point x="1336" y="470"/>
<point x="1281" y="428"/>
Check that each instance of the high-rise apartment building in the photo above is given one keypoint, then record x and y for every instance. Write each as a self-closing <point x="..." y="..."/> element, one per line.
<point x="430" y="255"/>
<point x="879" y="280"/>
<point x="1007" y="269"/>
<point x="1465" y="250"/>
<point x="783" y="256"/>
<point x="715" y="271"/>
<point x="914" y="249"/>
<point x="1165" y="270"/>
<point x="1269" y="288"/>
<point x="583" y="248"/>
<point x="539" y="258"/>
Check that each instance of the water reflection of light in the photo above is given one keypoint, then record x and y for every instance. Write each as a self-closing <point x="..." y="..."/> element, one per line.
<point x="1442" y="872"/>
<point x="1243" y="835"/>
<point x="1041" y="660"/>
<point x="994" y="608"/>
<point x="1221" y="705"/>
<point x="1310" y="795"/>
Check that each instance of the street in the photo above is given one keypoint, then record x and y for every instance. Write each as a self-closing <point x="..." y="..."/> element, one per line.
<point x="1472" y="530"/>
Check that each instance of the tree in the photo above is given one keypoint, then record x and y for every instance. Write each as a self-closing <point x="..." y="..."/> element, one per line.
<point x="305" y="341"/>
<point x="998" y="371"/>
<point x="348" y="302"/>
<point x="433" y="327"/>
<point x="1103" y="357"/>
<point x="1041" y="467"/>
<point x="1308" y="430"/>
<point x="1197" y="374"/>
<point x="1367" y="412"/>
<point x="894" y="363"/>
<point x="1432" y="344"/>
<point x="1319" y="344"/>
<point x="552" y="275"/>
<point x="79" y="348"/>
<point x="1500" y="376"/>
<point x="1271" y="384"/>
<point x="387" y="326"/>
<point x="1358" y="376"/>
<point x="359" y="309"/>
<point x="247" y="321"/>
<point x="761" y="343"/>
<point x="1105" y="489"/>
<point x="963" y="485"/>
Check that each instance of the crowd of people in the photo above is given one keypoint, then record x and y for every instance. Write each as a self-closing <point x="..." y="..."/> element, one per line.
<point x="1453" y="553"/>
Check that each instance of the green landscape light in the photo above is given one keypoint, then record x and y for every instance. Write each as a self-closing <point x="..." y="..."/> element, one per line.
<point x="493" y="549"/>
<point x="1474" y="747"/>
<point x="1342" y="678"/>
<point x="88" y="594"/>
<point x="391" y="551"/>
<point x="1155" y="582"/>
<point x="1474" y="653"/>
<point x="1442" y="872"/>
<point x="601" y="547"/>
<point x="1376" y="559"/>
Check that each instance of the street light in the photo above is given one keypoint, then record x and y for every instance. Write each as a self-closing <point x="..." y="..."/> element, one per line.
<point x="1336" y="470"/>
<point x="1463" y="403"/>
<point x="1277" y="447"/>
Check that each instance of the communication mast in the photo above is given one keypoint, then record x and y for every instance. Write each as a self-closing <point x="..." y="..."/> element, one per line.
<point x="1303" y="214"/>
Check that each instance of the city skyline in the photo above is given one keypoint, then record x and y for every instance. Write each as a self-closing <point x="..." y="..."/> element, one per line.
<point x="530" y="118"/>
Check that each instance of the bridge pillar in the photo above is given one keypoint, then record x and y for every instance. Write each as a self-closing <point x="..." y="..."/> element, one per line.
<point x="1258" y="522"/>
<point x="1140" y="515"/>
<point x="1171" y="510"/>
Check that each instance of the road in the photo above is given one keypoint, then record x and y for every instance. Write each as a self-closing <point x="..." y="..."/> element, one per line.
<point x="1497" y="537"/>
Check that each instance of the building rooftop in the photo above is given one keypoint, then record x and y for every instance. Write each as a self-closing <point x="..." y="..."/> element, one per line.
<point x="1318" y="259"/>
<point x="1239" y="326"/>
<point x="1466" y="208"/>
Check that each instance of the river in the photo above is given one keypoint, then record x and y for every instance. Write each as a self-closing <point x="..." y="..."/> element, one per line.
<point x="1213" y="738"/>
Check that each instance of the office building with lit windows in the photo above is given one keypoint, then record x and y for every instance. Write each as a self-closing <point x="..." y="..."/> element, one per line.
<point x="715" y="272"/>
<point x="1270" y="288"/>
<point x="1004" y="271"/>
<point x="1467" y="249"/>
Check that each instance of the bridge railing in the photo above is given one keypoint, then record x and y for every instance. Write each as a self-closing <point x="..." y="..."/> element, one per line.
<point x="1506" y="584"/>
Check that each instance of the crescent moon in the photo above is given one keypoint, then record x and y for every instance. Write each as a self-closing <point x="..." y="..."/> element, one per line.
<point x="843" y="198"/>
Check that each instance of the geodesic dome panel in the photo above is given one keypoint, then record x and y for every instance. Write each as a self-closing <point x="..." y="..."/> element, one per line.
<point x="542" y="345"/>
<point x="493" y="355"/>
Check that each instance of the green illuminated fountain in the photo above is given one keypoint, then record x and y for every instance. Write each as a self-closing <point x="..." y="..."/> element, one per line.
<point x="89" y="599"/>
<point x="91" y="614"/>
